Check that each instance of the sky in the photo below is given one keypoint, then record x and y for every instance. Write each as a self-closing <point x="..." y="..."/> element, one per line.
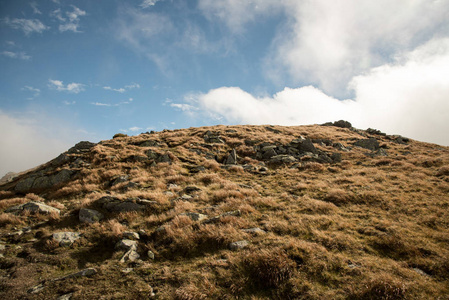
<point x="73" y="70"/>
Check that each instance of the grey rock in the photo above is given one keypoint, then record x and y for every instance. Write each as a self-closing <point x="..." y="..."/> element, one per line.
<point x="65" y="297"/>
<point x="83" y="146"/>
<point x="191" y="189"/>
<point x="146" y="202"/>
<point x="235" y="213"/>
<point x="232" y="158"/>
<point x="212" y="138"/>
<point x="342" y="124"/>
<point x="24" y="185"/>
<point x="89" y="215"/>
<point x="420" y="272"/>
<point x="119" y="179"/>
<point x="304" y="145"/>
<point x="123" y="206"/>
<point x="149" y="143"/>
<point x="336" y="157"/>
<point x="370" y="144"/>
<point x="126" y="245"/>
<point x="33" y="207"/>
<point x="66" y="239"/>
<point x="150" y="254"/>
<point x="269" y="153"/>
<point x="43" y="182"/>
<point x="283" y="158"/>
<point x="195" y="216"/>
<point x="130" y="255"/>
<point x="238" y="245"/>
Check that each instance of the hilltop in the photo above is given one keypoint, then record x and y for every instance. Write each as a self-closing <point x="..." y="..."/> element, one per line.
<point x="227" y="212"/>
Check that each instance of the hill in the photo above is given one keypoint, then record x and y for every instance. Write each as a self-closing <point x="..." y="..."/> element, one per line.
<point x="227" y="212"/>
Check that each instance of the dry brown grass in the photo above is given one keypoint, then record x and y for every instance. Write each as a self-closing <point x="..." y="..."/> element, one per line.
<point x="363" y="228"/>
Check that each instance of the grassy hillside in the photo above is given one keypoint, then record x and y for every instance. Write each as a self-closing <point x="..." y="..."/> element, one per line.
<point x="316" y="211"/>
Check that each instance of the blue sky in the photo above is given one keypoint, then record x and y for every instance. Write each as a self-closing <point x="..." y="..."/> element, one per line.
<point x="85" y="70"/>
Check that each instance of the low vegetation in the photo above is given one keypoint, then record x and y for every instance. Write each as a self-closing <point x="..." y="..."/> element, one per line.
<point x="333" y="221"/>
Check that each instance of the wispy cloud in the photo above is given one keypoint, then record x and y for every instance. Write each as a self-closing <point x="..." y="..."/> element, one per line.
<point x="132" y="129"/>
<point x="35" y="9"/>
<point x="71" y="20"/>
<point x="102" y="104"/>
<point x="148" y="3"/>
<point x="36" y="92"/>
<point x="122" y="90"/>
<point x="18" y="55"/>
<point x="69" y="102"/>
<point x="71" y="87"/>
<point x="28" y="26"/>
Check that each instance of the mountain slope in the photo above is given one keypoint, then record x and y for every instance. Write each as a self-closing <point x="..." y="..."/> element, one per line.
<point x="230" y="212"/>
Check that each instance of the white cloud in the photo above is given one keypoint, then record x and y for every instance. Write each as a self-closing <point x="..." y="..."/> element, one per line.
<point x="69" y="102"/>
<point x="31" y="89"/>
<point x="73" y="87"/>
<point x="19" y="55"/>
<point x="135" y="128"/>
<point x="35" y="9"/>
<point x="28" y="26"/>
<point x="45" y="136"/>
<point x="101" y="104"/>
<point x="133" y="86"/>
<point x="122" y="90"/>
<point x="407" y="97"/>
<point x="148" y="3"/>
<point x="71" y="22"/>
<point x="327" y="43"/>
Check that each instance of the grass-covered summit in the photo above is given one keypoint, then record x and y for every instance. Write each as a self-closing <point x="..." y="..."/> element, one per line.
<point x="231" y="212"/>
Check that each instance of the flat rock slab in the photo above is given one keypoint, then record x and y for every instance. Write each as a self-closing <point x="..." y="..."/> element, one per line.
<point x="195" y="216"/>
<point x="126" y="245"/>
<point x="34" y="207"/>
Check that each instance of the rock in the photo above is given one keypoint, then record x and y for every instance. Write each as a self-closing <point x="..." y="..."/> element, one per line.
<point x="85" y="272"/>
<point x="150" y="254"/>
<point x="336" y="157"/>
<point x="342" y="124"/>
<point x="235" y="213"/>
<point x="400" y="139"/>
<point x="65" y="297"/>
<point x="35" y="289"/>
<point x="195" y="216"/>
<point x="370" y="144"/>
<point x="420" y="272"/>
<point x="375" y="131"/>
<point x="2" y="247"/>
<point x="149" y="143"/>
<point x="303" y="145"/>
<point x="33" y="207"/>
<point x="282" y="159"/>
<point x="191" y="189"/>
<point x="127" y="270"/>
<point x="268" y="152"/>
<point x="238" y="245"/>
<point x="119" y="179"/>
<point x="66" y="239"/>
<point x="136" y="158"/>
<point x="255" y="231"/>
<point x="83" y="146"/>
<point x="131" y="255"/>
<point x="126" y="245"/>
<point x="116" y="205"/>
<point x="89" y="215"/>
<point x="197" y="169"/>
<point x="43" y="182"/>
<point x="232" y="158"/>
<point x="8" y="177"/>
<point x="131" y="235"/>
<point x="212" y="138"/>
<point x="146" y="202"/>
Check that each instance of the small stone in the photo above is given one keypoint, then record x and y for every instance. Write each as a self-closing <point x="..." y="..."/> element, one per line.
<point x="150" y="254"/>
<point x="127" y="270"/>
<point x="238" y="245"/>
<point x="130" y="255"/>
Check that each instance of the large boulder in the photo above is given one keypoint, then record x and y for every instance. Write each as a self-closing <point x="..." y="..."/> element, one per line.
<point x="43" y="182"/>
<point x="370" y="144"/>
<point x="83" y="146"/>
<point x="232" y="158"/>
<point x="303" y="145"/>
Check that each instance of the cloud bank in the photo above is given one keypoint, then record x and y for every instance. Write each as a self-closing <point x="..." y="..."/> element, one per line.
<point x="31" y="140"/>
<point x="407" y="97"/>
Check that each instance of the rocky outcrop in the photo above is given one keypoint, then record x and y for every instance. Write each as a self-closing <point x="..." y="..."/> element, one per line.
<point x="212" y="138"/>
<point x="33" y="207"/>
<point x="36" y="182"/>
<point x="114" y="204"/>
<point x="66" y="239"/>
<point x="370" y="144"/>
